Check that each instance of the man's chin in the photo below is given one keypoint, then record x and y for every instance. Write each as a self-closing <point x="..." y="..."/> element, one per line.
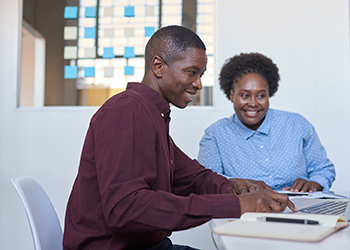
<point x="180" y="106"/>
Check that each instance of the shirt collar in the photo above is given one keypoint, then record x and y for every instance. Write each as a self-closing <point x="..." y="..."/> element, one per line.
<point x="247" y="132"/>
<point x="162" y="104"/>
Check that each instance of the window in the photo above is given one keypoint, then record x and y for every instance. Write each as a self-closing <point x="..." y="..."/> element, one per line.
<point x="95" y="47"/>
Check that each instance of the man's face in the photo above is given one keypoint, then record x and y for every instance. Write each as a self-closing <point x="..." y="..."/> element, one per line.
<point x="182" y="79"/>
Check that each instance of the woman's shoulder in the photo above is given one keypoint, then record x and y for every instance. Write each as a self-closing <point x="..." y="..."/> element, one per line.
<point x="290" y="118"/>
<point x="287" y="115"/>
<point x="222" y="123"/>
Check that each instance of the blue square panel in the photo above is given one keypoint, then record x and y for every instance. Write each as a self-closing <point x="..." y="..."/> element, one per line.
<point x="129" y="11"/>
<point x="129" y="70"/>
<point x="108" y="52"/>
<point x="129" y="52"/>
<point x="90" y="11"/>
<point x="70" y="72"/>
<point x="89" y="32"/>
<point x="70" y="12"/>
<point x="89" y="72"/>
<point x="149" y="31"/>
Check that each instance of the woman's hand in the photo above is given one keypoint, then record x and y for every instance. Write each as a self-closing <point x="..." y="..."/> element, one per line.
<point x="302" y="185"/>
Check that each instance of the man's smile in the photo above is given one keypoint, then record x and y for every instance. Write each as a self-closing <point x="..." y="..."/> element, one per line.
<point x="190" y="95"/>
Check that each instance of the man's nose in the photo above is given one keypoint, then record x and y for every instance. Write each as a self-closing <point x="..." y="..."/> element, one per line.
<point x="198" y="83"/>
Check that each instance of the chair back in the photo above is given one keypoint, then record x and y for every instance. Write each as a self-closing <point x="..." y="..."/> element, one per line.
<point x="44" y="223"/>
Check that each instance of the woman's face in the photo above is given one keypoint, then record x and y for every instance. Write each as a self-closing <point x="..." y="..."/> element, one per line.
<point x="250" y="98"/>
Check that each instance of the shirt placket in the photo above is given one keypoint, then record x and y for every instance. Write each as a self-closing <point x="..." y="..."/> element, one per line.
<point x="170" y="142"/>
<point x="264" y="157"/>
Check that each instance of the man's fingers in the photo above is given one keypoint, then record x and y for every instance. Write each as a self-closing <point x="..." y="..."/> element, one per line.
<point x="283" y="201"/>
<point x="242" y="186"/>
<point x="276" y="206"/>
<point x="265" y="186"/>
<point x="239" y="188"/>
<point x="265" y="201"/>
<point x="292" y="206"/>
<point x="253" y="188"/>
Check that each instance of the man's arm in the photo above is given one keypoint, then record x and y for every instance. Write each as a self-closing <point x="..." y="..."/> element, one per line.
<point x="205" y="181"/>
<point x="126" y="164"/>
<point x="191" y="174"/>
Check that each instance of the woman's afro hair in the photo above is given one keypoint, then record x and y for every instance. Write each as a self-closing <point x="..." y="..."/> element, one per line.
<point x="239" y="65"/>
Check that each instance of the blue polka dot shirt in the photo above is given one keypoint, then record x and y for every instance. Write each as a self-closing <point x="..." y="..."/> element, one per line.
<point x="285" y="147"/>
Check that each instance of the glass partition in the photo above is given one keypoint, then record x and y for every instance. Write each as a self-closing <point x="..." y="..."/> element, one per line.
<point x="81" y="52"/>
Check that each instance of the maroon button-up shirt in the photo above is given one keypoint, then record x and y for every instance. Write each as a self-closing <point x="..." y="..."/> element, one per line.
<point x="134" y="184"/>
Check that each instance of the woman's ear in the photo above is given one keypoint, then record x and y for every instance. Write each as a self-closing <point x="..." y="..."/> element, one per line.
<point x="231" y="95"/>
<point x="157" y="66"/>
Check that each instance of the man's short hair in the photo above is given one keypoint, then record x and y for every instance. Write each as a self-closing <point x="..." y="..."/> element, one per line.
<point x="170" y="43"/>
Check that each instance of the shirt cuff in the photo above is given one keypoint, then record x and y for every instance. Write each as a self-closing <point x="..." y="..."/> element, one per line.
<point x="322" y="181"/>
<point x="227" y="206"/>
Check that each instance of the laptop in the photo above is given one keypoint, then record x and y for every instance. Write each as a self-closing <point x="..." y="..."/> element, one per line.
<point x="323" y="206"/>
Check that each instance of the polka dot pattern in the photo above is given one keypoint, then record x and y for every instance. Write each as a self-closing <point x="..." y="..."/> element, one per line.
<point x="285" y="147"/>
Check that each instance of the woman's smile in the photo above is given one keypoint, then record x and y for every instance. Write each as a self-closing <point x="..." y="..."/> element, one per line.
<point x="250" y="99"/>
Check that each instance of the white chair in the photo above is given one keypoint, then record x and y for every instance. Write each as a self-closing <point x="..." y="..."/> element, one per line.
<point x="44" y="223"/>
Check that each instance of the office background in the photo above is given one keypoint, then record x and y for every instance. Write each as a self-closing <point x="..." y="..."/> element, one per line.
<point x="307" y="39"/>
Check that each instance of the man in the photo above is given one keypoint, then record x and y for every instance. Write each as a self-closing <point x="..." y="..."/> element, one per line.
<point x="134" y="185"/>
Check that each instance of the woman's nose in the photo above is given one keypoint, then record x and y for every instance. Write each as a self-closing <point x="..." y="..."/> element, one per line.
<point x="252" y="102"/>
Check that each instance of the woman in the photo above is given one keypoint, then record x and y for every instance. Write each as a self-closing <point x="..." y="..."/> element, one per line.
<point x="278" y="147"/>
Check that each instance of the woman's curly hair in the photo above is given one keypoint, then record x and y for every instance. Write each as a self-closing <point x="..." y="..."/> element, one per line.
<point x="239" y="65"/>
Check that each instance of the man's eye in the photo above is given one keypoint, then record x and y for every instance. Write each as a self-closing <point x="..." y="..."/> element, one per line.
<point x="192" y="73"/>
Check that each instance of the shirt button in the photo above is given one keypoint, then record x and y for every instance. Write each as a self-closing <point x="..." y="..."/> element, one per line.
<point x="162" y="114"/>
<point x="262" y="147"/>
<point x="267" y="159"/>
<point x="171" y="161"/>
<point x="270" y="176"/>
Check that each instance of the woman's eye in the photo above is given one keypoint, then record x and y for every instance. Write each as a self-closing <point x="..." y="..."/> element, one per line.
<point x="244" y="96"/>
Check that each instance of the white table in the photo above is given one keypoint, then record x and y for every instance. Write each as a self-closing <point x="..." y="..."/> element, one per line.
<point x="337" y="241"/>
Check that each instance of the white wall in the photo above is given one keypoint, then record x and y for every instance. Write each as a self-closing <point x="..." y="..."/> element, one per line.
<point x="308" y="39"/>
<point x="309" y="42"/>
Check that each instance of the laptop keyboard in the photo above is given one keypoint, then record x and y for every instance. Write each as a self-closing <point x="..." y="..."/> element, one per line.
<point x="327" y="207"/>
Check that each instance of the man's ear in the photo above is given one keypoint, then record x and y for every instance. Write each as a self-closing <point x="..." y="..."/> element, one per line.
<point x="157" y="66"/>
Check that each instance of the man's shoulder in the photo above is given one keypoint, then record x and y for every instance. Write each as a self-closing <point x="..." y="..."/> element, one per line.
<point x="126" y="101"/>
<point x="127" y="97"/>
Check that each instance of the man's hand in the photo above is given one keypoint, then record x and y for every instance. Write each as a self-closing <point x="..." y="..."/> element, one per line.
<point x="265" y="201"/>
<point x="242" y="186"/>
<point x="301" y="185"/>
